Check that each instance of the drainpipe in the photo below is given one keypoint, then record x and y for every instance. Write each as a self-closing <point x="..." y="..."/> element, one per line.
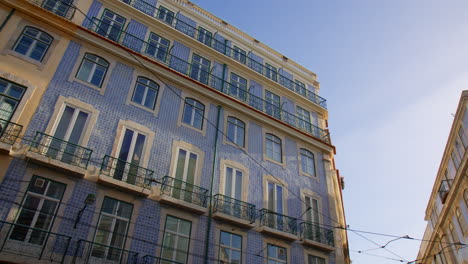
<point x="7" y="18"/>
<point x="213" y="168"/>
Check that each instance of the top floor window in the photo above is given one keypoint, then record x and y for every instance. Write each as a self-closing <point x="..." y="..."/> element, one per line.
<point x="93" y="69"/>
<point x="271" y="72"/>
<point x="10" y="96"/>
<point x="273" y="103"/>
<point x="111" y="25"/>
<point x="238" y="87"/>
<point x="193" y="113"/>
<point x="204" y="36"/>
<point x="200" y="68"/>
<point x="240" y="55"/>
<point x="165" y="15"/>
<point x="59" y="7"/>
<point x="300" y="88"/>
<point x="273" y="148"/>
<point x="158" y="47"/>
<point x="463" y="137"/>
<point x="33" y="43"/>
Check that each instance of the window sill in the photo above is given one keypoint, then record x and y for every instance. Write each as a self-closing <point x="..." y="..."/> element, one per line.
<point x="39" y="64"/>
<point x="87" y="84"/>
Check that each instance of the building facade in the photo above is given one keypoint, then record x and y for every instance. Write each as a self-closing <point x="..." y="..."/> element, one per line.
<point x="446" y="237"/>
<point x="154" y="132"/>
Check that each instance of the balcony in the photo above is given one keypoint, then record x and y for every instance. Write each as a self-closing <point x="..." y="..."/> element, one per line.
<point x="148" y="259"/>
<point x="205" y="77"/>
<point x="88" y="252"/>
<point x="316" y="236"/>
<point x="279" y="225"/>
<point x="63" y="155"/>
<point x="24" y="244"/>
<point x="444" y="189"/>
<point x="62" y="8"/>
<point x="184" y="195"/>
<point x="226" y="50"/>
<point x="234" y="211"/>
<point x="9" y="133"/>
<point x="125" y="175"/>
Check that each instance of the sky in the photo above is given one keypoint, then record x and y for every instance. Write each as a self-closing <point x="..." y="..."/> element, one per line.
<point x="392" y="73"/>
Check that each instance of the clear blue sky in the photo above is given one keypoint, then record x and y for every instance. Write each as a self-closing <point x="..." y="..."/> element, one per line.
<point x="392" y="72"/>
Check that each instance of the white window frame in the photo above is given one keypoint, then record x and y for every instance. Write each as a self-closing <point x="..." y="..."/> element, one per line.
<point x="238" y="128"/>
<point x="314" y="160"/>
<point x="36" y="39"/>
<point x="177" y="235"/>
<point x="274" y="145"/>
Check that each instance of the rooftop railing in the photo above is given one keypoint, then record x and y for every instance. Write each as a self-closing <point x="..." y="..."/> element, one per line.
<point x="184" y="191"/>
<point x="224" y="48"/>
<point x="9" y="131"/>
<point x="61" y="150"/>
<point x="33" y="243"/>
<point x="91" y="252"/>
<point x="278" y="221"/>
<point x="63" y="8"/>
<point x="234" y="207"/>
<point x="124" y="171"/>
<point x="205" y="76"/>
<point x="316" y="233"/>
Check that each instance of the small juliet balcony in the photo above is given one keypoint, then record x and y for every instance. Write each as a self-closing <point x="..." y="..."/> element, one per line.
<point x="316" y="236"/>
<point x="234" y="211"/>
<point x="87" y="252"/>
<point x="59" y="154"/>
<point x="444" y="189"/>
<point x="62" y="8"/>
<point x="25" y="244"/>
<point x="279" y="225"/>
<point x="9" y="133"/>
<point x="127" y="176"/>
<point x="184" y="195"/>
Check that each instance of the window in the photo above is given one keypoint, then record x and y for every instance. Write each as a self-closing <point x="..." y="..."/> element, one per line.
<point x="461" y="220"/>
<point x="92" y="70"/>
<point x="459" y="147"/>
<point x="112" y="229"/>
<point x="233" y="183"/>
<point x="230" y="248"/>
<point x="38" y="210"/>
<point x="276" y="254"/>
<point x="238" y="87"/>
<point x="311" y="259"/>
<point x="463" y="137"/>
<point x="200" y="69"/>
<point x="204" y="36"/>
<point x="312" y="215"/>
<point x="193" y="113"/>
<point x="453" y="234"/>
<point x="70" y="128"/>
<point x="465" y="197"/>
<point x="240" y="55"/>
<point x="59" y="7"/>
<point x="273" y="148"/>
<point x="275" y="197"/>
<point x="304" y="119"/>
<point x="158" y="47"/>
<point x="146" y="92"/>
<point x="271" y="72"/>
<point x="307" y="162"/>
<point x="185" y="175"/>
<point x="111" y="25"/>
<point x="165" y="15"/>
<point x="300" y="88"/>
<point x="273" y="104"/>
<point x="176" y="241"/>
<point x="236" y="131"/>
<point x="130" y="156"/>
<point x="33" y="43"/>
<point x="456" y="159"/>
<point x="10" y="96"/>
<point x="434" y="217"/>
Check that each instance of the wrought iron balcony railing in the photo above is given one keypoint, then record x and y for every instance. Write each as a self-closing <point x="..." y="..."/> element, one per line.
<point x="184" y="191"/>
<point x="63" y="8"/>
<point x="444" y="189"/>
<point x="33" y="243"/>
<point x="205" y="76"/>
<point x="316" y="233"/>
<point x="91" y="252"/>
<point x="234" y="207"/>
<point x="9" y="131"/>
<point x="278" y="221"/>
<point x="224" y="48"/>
<point x="148" y="259"/>
<point x="61" y="150"/>
<point x="124" y="171"/>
